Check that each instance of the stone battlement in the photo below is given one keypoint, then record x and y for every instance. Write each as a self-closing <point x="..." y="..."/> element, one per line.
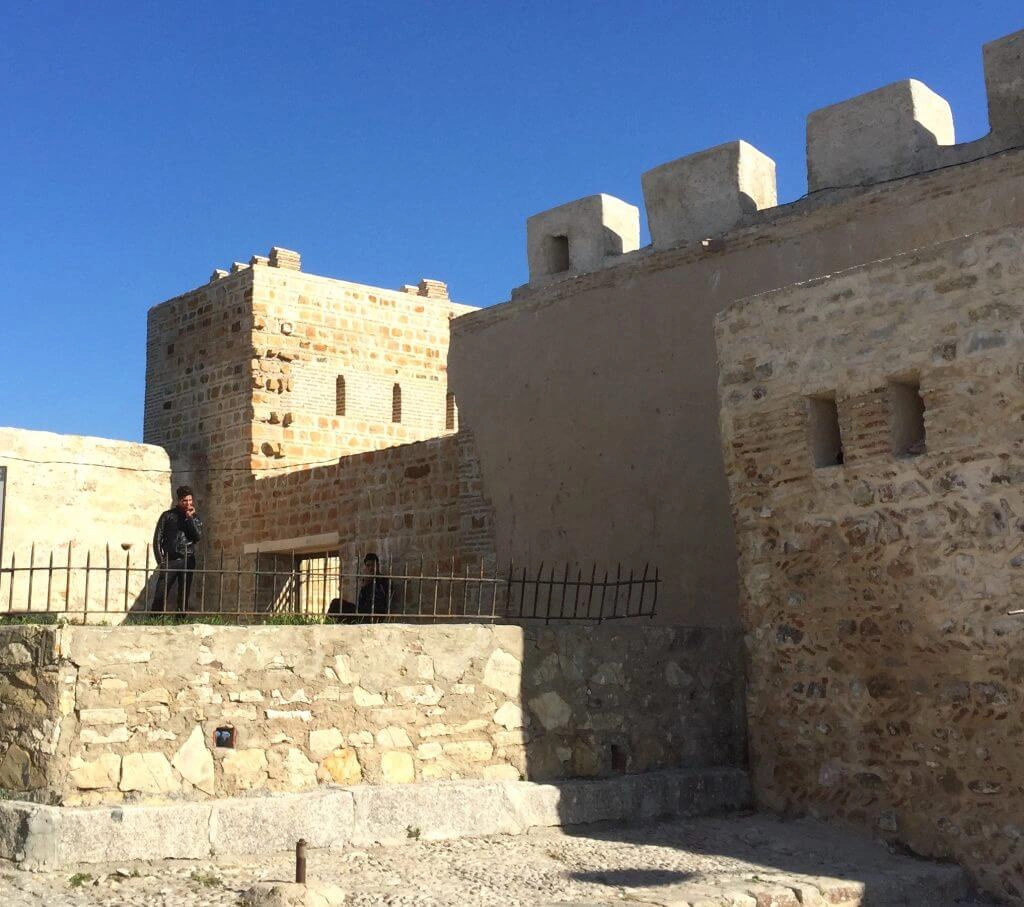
<point x="890" y="133"/>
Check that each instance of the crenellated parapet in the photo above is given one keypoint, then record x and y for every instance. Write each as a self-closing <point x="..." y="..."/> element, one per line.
<point x="1004" y="84"/>
<point x="707" y="193"/>
<point x="885" y="134"/>
<point x="580" y="236"/>
<point x="894" y="132"/>
<point x="278" y="258"/>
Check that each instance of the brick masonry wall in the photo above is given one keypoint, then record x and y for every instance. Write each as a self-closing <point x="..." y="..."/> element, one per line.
<point x="128" y="714"/>
<point x="885" y="674"/>
<point x="422" y="500"/>
<point x="309" y="331"/>
<point x="197" y="378"/>
<point x="199" y="394"/>
<point x="242" y="390"/>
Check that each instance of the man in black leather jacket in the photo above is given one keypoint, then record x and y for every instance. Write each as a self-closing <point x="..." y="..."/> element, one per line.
<point x="174" y="542"/>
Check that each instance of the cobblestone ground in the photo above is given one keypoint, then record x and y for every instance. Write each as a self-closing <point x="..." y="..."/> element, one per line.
<point x="671" y="863"/>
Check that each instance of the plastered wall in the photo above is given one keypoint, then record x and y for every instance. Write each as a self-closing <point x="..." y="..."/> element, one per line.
<point x="593" y="399"/>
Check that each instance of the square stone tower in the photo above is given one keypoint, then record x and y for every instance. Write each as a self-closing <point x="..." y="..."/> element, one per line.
<point x="266" y="370"/>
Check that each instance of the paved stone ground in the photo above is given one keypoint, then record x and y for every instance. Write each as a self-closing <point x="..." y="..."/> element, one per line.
<point x="738" y="861"/>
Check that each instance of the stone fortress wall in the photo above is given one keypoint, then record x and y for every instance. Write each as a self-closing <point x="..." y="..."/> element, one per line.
<point x="607" y="357"/>
<point x="873" y="426"/>
<point x="343" y="433"/>
<point x="104" y="716"/>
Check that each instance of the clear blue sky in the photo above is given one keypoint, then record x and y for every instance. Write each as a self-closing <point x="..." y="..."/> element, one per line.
<point x="143" y="144"/>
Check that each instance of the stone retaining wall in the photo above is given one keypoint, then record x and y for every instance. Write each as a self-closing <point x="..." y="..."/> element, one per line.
<point x="107" y="715"/>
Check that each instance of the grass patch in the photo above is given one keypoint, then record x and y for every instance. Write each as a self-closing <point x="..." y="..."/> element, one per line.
<point x="79" y="879"/>
<point x="287" y="620"/>
<point x="206" y="879"/>
<point x="30" y="618"/>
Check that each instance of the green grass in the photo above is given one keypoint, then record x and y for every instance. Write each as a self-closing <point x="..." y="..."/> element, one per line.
<point x="153" y="619"/>
<point x="206" y="879"/>
<point x="28" y="618"/>
<point x="79" y="879"/>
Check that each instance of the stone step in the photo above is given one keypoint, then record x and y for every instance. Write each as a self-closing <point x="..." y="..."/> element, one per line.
<point x="48" y="837"/>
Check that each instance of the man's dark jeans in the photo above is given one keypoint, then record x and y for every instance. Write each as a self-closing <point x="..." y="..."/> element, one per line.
<point x="174" y="585"/>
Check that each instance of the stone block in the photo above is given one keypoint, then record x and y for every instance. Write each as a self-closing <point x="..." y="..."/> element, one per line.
<point x="708" y="193"/>
<point x="504" y="672"/>
<point x="276" y="821"/>
<point x="292" y="894"/>
<point x="397" y="768"/>
<point x="436" y="811"/>
<point x="194" y="761"/>
<point x="887" y="133"/>
<point x="98" y="774"/>
<point x="341" y="766"/>
<point x="285" y="258"/>
<point x="149" y="773"/>
<point x="1004" y="82"/>
<point x="580" y="236"/>
<point x="178" y="831"/>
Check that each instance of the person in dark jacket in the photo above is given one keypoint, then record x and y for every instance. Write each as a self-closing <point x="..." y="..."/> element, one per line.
<point x="374" y="598"/>
<point x="174" y="542"/>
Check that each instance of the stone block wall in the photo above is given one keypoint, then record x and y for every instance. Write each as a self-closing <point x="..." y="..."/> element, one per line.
<point x="878" y="587"/>
<point x="310" y="331"/>
<point x="267" y="370"/>
<point x="126" y="714"/>
<point x="413" y="501"/>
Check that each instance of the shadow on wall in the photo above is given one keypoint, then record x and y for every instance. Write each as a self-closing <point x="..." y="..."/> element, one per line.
<point x="626" y="697"/>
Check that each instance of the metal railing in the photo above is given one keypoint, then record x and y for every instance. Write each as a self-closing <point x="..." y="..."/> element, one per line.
<point x="314" y="587"/>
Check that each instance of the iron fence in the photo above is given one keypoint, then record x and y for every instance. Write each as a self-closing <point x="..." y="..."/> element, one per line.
<point x="314" y="587"/>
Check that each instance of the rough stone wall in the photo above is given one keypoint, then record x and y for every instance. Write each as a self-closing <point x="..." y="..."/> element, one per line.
<point x="413" y="501"/>
<point x="390" y="704"/>
<point x="90" y="493"/>
<point x="885" y="672"/>
<point x="30" y="711"/>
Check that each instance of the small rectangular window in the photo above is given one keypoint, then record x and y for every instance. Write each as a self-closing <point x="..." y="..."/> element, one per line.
<point x="339" y="396"/>
<point x="449" y="411"/>
<point x="906" y="417"/>
<point x="396" y="403"/>
<point x="823" y="431"/>
<point x="557" y="254"/>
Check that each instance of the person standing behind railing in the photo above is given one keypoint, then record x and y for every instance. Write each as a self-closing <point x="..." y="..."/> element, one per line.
<point x="174" y="542"/>
<point x="374" y="602"/>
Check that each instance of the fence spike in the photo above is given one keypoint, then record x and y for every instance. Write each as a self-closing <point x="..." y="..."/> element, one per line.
<point x="31" y="574"/>
<point x="49" y="580"/>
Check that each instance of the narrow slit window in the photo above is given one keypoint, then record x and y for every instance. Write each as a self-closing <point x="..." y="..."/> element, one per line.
<point x="339" y="396"/>
<point x="823" y="431"/>
<point x="557" y="254"/>
<point x="396" y="403"/>
<point x="906" y="417"/>
<point x="449" y="411"/>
